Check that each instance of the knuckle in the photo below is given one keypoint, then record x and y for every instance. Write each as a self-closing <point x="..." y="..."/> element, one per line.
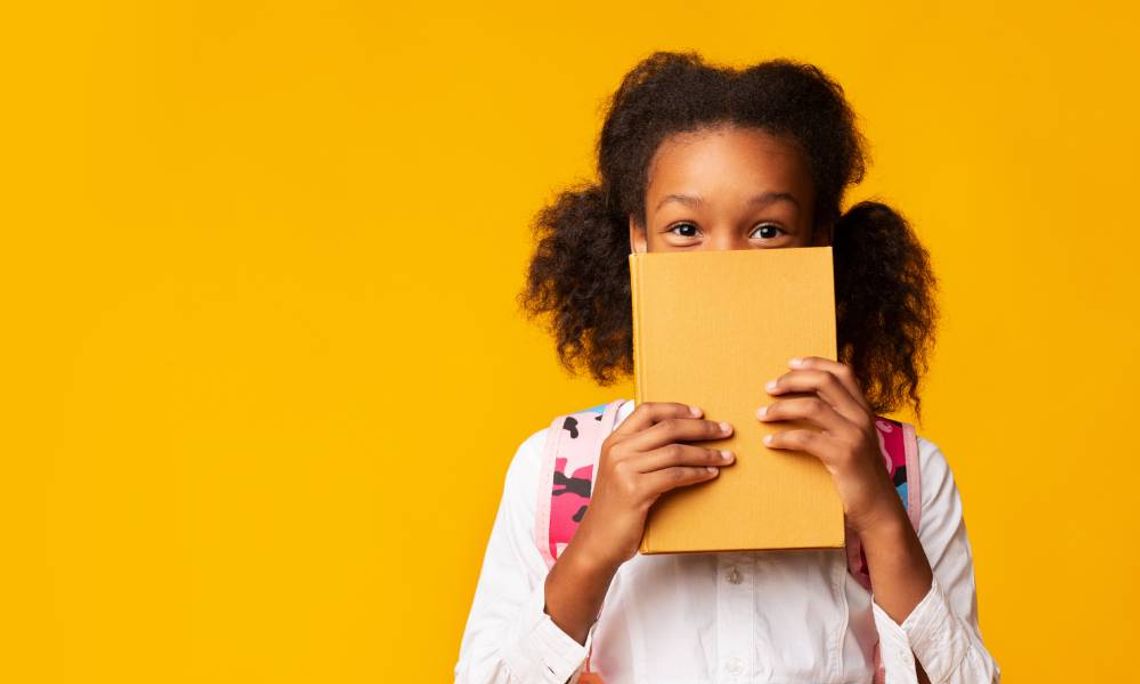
<point x="629" y="488"/>
<point x="621" y="470"/>
<point x="816" y="407"/>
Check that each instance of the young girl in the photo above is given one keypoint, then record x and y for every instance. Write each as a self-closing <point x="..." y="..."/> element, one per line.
<point x="691" y="157"/>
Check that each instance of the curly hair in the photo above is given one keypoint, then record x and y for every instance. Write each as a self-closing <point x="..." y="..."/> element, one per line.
<point x="578" y="277"/>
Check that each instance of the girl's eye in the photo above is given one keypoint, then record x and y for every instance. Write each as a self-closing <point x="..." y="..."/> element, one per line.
<point x="765" y="231"/>
<point x="674" y="228"/>
<point x="768" y="231"/>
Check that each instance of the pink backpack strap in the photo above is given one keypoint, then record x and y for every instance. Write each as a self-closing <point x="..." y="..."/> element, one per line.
<point x="899" y="444"/>
<point x="566" y="478"/>
<point x="900" y="447"/>
<point x="566" y="483"/>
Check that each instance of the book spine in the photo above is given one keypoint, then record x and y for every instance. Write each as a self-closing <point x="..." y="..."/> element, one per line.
<point x="638" y="359"/>
<point x="635" y="296"/>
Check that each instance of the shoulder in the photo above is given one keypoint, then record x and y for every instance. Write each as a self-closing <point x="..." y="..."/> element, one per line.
<point x="937" y="475"/>
<point x="941" y="502"/>
<point x="931" y="459"/>
<point x="528" y="454"/>
<point x="521" y="479"/>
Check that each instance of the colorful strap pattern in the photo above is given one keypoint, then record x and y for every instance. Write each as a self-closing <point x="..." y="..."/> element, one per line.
<point x="900" y="456"/>
<point x="571" y="454"/>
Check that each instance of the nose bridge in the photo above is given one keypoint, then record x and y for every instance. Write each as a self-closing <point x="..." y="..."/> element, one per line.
<point x="724" y="235"/>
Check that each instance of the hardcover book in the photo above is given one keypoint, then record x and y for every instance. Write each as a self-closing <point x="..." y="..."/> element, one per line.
<point x="711" y="328"/>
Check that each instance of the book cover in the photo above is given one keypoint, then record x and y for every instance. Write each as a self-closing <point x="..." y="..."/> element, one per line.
<point x="710" y="328"/>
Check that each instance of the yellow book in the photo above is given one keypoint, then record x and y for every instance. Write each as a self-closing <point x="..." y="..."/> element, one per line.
<point x="710" y="328"/>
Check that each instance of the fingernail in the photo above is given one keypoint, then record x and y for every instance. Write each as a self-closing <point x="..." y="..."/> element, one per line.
<point x="712" y="469"/>
<point x="771" y="386"/>
<point x="725" y="427"/>
<point x="767" y="439"/>
<point x="796" y="362"/>
<point x="725" y="455"/>
<point x="761" y="411"/>
<point x="695" y="410"/>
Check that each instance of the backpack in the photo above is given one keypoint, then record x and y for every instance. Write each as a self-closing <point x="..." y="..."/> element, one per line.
<point x="569" y="462"/>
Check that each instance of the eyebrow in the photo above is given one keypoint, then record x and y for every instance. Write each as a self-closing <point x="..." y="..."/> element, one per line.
<point x="762" y="199"/>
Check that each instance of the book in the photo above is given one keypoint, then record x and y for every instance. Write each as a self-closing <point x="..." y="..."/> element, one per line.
<point x="711" y="328"/>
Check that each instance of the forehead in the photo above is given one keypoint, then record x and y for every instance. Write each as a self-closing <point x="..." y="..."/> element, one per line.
<point x="728" y="159"/>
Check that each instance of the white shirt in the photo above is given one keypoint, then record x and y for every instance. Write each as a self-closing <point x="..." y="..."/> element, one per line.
<point x="733" y="617"/>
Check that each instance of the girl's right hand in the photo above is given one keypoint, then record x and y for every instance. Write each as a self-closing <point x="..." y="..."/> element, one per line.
<point x="642" y="459"/>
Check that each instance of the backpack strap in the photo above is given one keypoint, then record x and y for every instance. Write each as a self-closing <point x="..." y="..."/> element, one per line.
<point x="899" y="445"/>
<point x="566" y="478"/>
<point x="566" y="482"/>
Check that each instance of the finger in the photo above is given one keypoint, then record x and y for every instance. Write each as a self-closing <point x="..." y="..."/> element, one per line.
<point x="811" y="409"/>
<point x="824" y="384"/>
<point x="660" y="481"/>
<point x="680" y="455"/>
<point x="844" y="372"/>
<point x="649" y="413"/>
<point x="672" y="430"/>
<point x="811" y="441"/>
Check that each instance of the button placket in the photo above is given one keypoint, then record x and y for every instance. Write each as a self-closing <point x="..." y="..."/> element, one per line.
<point x="735" y="616"/>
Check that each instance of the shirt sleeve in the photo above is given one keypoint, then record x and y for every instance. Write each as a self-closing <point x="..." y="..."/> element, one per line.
<point x="509" y="637"/>
<point x="942" y="630"/>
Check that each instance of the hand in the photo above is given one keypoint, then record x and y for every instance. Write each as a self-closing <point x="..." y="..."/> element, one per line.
<point x="826" y="395"/>
<point x="641" y="460"/>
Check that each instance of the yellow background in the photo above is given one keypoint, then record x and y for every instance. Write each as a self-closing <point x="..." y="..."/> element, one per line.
<point x="262" y="369"/>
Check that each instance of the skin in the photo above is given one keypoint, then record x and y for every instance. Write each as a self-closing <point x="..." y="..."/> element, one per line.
<point x="735" y="188"/>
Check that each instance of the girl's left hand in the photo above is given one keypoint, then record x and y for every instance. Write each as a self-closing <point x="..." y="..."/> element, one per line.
<point x="826" y="395"/>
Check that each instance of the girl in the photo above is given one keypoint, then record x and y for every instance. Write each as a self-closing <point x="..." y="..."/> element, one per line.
<point x="693" y="156"/>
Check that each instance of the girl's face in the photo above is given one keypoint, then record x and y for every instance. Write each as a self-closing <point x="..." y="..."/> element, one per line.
<point x="727" y="188"/>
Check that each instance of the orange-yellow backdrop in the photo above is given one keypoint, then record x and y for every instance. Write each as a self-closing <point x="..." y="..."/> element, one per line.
<point x="262" y="368"/>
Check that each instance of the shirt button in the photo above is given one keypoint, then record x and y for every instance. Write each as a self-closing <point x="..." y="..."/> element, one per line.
<point x="734" y="666"/>
<point x="734" y="575"/>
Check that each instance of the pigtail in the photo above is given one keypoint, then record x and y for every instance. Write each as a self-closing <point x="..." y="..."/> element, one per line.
<point x="885" y="303"/>
<point x="578" y="279"/>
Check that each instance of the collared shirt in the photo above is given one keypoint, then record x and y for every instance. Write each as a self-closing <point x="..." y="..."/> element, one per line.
<point x="728" y="617"/>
